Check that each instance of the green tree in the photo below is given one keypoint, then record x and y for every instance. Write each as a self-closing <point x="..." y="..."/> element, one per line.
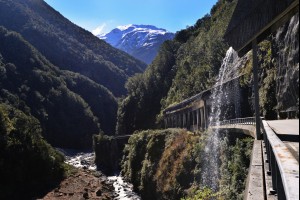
<point x="26" y="160"/>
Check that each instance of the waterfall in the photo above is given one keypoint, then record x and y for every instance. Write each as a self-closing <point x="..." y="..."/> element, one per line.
<point x="287" y="39"/>
<point x="224" y="95"/>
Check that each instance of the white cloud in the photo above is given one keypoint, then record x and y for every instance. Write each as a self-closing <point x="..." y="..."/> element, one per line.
<point x="100" y="29"/>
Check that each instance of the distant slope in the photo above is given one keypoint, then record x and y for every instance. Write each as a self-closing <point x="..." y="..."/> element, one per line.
<point x="60" y="100"/>
<point x="140" y="41"/>
<point x="184" y="67"/>
<point x="67" y="45"/>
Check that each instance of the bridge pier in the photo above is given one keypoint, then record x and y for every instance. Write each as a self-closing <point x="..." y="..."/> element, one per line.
<point x="201" y="120"/>
<point x="198" y="119"/>
<point x="256" y="92"/>
<point x="192" y="118"/>
<point x="189" y="121"/>
<point x="184" y="120"/>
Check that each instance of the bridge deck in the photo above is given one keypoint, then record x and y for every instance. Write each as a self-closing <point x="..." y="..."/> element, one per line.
<point x="293" y="148"/>
<point x="285" y="127"/>
<point x="276" y="163"/>
<point x="288" y="132"/>
<point x="284" y="167"/>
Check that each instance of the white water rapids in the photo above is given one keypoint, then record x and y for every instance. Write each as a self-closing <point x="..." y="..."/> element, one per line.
<point x="123" y="190"/>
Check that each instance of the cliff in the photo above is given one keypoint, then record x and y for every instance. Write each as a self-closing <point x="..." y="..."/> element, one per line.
<point x="168" y="164"/>
<point x="108" y="153"/>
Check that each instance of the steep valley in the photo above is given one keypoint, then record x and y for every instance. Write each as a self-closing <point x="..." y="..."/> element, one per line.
<point x="62" y="87"/>
<point x="68" y="115"/>
<point x="76" y="49"/>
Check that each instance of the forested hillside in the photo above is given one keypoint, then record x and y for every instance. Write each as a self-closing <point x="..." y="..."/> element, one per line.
<point x="60" y="100"/>
<point x="68" y="46"/>
<point x="191" y="62"/>
<point x="184" y="67"/>
<point x="41" y="102"/>
<point x="29" y="166"/>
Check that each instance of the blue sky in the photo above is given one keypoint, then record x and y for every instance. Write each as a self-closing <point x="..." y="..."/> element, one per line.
<point x="104" y="15"/>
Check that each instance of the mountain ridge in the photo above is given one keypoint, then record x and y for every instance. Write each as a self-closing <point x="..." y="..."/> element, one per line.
<point x="140" y="41"/>
<point x="76" y="49"/>
<point x="59" y="99"/>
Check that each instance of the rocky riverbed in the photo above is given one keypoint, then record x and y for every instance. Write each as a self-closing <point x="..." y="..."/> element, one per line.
<point x="88" y="183"/>
<point x="85" y="184"/>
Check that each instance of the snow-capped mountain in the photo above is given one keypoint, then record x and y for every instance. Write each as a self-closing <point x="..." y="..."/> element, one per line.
<point x="140" y="41"/>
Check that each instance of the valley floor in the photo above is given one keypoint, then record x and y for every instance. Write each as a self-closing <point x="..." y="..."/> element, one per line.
<point x="84" y="184"/>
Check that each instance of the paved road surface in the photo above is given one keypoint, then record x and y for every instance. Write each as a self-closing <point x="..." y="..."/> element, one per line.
<point x="285" y="127"/>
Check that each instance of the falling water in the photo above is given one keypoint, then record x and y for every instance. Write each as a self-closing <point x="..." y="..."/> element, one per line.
<point x="221" y="99"/>
<point x="221" y="94"/>
<point x="225" y="96"/>
<point x="288" y="66"/>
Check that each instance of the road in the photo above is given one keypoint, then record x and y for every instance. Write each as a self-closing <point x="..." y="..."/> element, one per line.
<point x="285" y="127"/>
<point x="288" y="129"/>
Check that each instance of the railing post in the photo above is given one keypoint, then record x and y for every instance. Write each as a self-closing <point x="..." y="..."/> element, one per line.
<point x="202" y="119"/>
<point x="273" y="170"/>
<point x="280" y="188"/>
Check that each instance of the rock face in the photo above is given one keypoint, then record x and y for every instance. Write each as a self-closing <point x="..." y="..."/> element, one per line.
<point x="109" y="152"/>
<point x="140" y="41"/>
<point x="168" y="164"/>
<point x="287" y="39"/>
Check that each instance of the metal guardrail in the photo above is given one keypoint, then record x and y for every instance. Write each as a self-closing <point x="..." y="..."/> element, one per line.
<point x="284" y="168"/>
<point x="238" y="121"/>
<point x="246" y="124"/>
<point x="119" y="137"/>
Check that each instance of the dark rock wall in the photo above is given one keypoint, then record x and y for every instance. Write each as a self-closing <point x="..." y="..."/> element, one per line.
<point x="287" y="40"/>
<point x="109" y="153"/>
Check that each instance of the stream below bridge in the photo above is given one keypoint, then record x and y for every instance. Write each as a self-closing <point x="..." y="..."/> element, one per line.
<point x="85" y="160"/>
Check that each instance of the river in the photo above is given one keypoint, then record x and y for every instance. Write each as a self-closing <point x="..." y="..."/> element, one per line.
<point x="123" y="190"/>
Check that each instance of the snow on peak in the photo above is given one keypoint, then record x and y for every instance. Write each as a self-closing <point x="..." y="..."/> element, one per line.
<point x="131" y="38"/>
<point x="139" y="27"/>
<point x="126" y="27"/>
